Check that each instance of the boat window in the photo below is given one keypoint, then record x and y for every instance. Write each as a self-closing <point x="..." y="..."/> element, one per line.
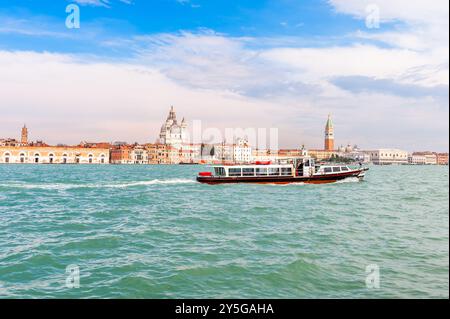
<point x="336" y="169"/>
<point x="261" y="171"/>
<point x="248" y="171"/>
<point x="234" y="172"/>
<point x="286" y="171"/>
<point x="219" y="171"/>
<point x="327" y="170"/>
<point x="344" y="168"/>
<point x="274" y="171"/>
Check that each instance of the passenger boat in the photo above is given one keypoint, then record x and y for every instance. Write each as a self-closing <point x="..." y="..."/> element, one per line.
<point x="302" y="170"/>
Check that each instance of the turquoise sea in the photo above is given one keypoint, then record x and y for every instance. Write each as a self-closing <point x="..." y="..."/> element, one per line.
<point x="153" y="232"/>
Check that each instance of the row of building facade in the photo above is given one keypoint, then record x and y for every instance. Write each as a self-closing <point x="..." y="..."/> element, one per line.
<point x="173" y="147"/>
<point x="200" y="154"/>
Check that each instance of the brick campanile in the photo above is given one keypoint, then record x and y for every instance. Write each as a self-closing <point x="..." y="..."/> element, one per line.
<point x="24" y="139"/>
<point x="329" y="135"/>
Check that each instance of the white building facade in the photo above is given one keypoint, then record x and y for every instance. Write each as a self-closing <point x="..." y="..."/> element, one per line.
<point x="53" y="155"/>
<point x="242" y="151"/>
<point x="387" y="156"/>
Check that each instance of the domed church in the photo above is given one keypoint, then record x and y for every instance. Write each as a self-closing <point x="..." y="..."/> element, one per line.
<point x="173" y="133"/>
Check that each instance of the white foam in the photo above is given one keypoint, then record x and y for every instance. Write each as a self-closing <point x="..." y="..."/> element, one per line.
<point x="348" y="180"/>
<point x="60" y="186"/>
<point x="151" y="182"/>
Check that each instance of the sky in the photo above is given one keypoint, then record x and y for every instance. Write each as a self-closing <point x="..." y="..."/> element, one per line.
<point x="379" y="67"/>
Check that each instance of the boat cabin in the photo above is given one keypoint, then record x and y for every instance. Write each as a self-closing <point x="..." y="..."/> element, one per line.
<point x="287" y="167"/>
<point x="253" y="170"/>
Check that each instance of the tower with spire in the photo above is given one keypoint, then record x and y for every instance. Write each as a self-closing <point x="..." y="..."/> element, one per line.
<point x="329" y="135"/>
<point x="24" y="137"/>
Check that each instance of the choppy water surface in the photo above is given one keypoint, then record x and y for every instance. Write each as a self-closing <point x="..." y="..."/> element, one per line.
<point x="153" y="232"/>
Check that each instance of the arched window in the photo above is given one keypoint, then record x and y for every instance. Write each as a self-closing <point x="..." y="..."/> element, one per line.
<point x="90" y="158"/>
<point x="7" y="156"/>
<point x="102" y="159"/>
<point x="50" y="158"/>
<point x="22" y="157"/>
<point x="36" y="158"/>
<point x="64" y="158"/>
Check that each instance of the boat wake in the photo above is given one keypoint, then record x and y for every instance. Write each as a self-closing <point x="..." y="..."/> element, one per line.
<point x="61" y="186"/>
<point x="151" y="182"/>
<point x="348" y="180"/>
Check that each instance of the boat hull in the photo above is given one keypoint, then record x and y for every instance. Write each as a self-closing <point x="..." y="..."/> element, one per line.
<point x="316" y="179"/>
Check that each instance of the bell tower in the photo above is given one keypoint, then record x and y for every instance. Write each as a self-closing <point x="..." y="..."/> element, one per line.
<point x="24" y="138"/>
<point x="329" y="135"/>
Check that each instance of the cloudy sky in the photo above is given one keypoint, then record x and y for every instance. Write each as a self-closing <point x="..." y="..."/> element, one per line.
<point x="246" y="63"/>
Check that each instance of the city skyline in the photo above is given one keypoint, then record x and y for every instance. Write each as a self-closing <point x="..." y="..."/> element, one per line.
<point x="181" y="136"/>
<point x="284" y="65"/>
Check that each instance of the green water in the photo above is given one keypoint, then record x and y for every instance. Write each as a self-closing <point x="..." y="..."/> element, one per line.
<point x="153" y="232"/>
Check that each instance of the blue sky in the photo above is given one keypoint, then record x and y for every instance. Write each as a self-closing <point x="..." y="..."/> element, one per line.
<point x="242" y="63"/>
<point x="303" y="20"/>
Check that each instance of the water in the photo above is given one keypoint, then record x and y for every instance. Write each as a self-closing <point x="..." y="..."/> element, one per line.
<point x="153" y="232"/>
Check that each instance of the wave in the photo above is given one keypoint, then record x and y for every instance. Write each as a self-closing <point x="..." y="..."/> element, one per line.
<point x="348" y="180"/>
<point x="61" y="186"/>
<point x="342" y="181"/>
<point x="151" y="182"/>
<point x="287" y="185"/>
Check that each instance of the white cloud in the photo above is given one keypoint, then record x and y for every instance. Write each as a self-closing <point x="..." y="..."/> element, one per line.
<point x="240" y="82"/>
<point x="100" y="3"/>
<point x="67" y="100"/>
<point x="70" y="98"/>
<point x="411" y="12"/>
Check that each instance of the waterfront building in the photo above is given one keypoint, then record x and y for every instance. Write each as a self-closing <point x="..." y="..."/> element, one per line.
<point x="139" y="155"/>
<point x="120" y="154"/>
<point x="173" y="154"/>
<point x="387" y="156"/>
<point x="356" y="156"/>
<point x="190" y="153"/>
<point x="9" y="142"/>
<point x="264" y="155"/>
<point x="158" y="153"/>
<point x="53" y="155"/>
<point x="171" y="132"/>
<point x="223" y="153"/>
<point x="322" y="155"/>
<point x="442" y="158"/>
<point x="430" y="159"/>
<point x="242" y="151"/>
<point x="129" y="154"/>
<point x="329" y="135"/>
<point x="291" y="153"/>
<point x="424" y="158"/>
<point x="417" y="159"/>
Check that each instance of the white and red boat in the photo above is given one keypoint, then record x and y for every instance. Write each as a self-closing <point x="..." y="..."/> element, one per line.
<point x="302" y="170"/>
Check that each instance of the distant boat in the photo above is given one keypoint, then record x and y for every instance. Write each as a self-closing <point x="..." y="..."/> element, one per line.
<point x="183" y="163"/>
<point x="301" y="170"/>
